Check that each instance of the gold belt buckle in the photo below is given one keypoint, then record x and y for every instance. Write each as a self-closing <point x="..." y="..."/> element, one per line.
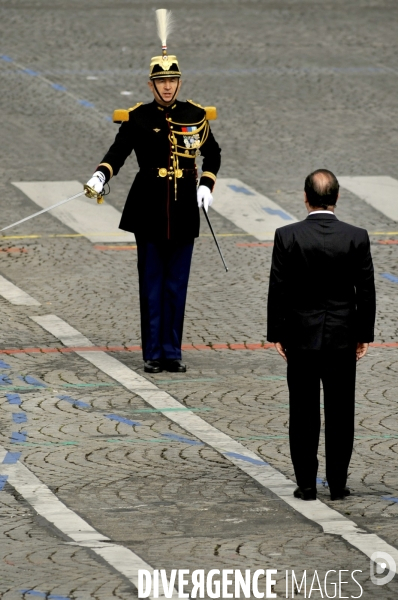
<point x="162" y="172"/>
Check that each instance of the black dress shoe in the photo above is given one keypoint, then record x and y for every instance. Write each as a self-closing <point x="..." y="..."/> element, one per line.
<point x="175" y="366"/>
<point x="152" y="366"/>
<point x="305" y="493"/>
<point x="340" y="494"/>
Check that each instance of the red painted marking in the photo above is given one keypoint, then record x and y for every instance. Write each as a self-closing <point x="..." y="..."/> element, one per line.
<point x="189" y="347"/>
<point x="115" y="247"/>
<point x="254" y="244"/>
<point x="385" y="242"/>
<point x="13" y="250"/>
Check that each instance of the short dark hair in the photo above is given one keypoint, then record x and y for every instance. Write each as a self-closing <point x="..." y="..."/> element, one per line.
<point x="321" y="188"/>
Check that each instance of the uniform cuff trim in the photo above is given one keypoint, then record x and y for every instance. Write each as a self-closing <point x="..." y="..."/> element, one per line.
<point x="209" y="175"/>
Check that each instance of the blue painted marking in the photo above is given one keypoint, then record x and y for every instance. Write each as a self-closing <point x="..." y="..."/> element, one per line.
<point x="5" y="380"/>
<point x="390" y="498"/>
<point x="59" y="87"/>
<point x="11" y="458"/>
<point x="19" y="417"/>
<point x="390" y="277"/>
<point x="78" y="403"/>
<point x="122" y="420"/>
<point x="180" y="438"/>
<point x="14" y="398"/>
<point x="277" y="211"/>
<point x="241" y="190"/>
<point x="18" y="436"/>
<point x="108" y="118"/>
<point x="86" y="103"/>
<point x="6" y="58"/>
<point x="30" y="72"/>
<point x="4" y="365"/>
<point x="44" y="595"/>
<point x="253" y="461"/>
<point x="3" y="481"/>
<point x="321" y="481"/>
<point x="31" y="380"/>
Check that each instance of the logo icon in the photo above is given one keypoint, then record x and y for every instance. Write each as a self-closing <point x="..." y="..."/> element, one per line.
<point x="382" y="563"/>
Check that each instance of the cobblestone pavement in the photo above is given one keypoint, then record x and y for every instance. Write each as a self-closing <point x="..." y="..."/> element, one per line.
<point x="298" y="85"/>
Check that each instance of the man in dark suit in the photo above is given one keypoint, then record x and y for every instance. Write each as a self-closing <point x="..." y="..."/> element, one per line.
<point x="321" y="314"/>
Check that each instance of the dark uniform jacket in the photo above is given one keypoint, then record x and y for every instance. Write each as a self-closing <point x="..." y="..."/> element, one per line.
<point x="321" y="289"/>
<point x="166" y="141"/>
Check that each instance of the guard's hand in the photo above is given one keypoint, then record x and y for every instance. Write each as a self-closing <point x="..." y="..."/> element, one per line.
<point x="280" y="350"/>
<point x="204" y="197"/>
<point x="96" y="183"/>
<point x="361" y="350"/>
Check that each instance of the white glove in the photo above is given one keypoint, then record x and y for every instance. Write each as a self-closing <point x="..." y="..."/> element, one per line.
<point x="96" y="182"/>
<point x="204" y="197"/>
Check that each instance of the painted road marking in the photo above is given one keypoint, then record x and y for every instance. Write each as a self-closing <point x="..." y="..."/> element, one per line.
<point x="16" y="296"/>
<point x="254" y="213"/>
<point x="45" y="595"/>
<point x="116" y="349"/>
<point x="47" y="505"/>
<point x="379" y="192"/>
<point x="330" y="520"/>
<point x="390" y="277"/>
<point x="98" y="223"/>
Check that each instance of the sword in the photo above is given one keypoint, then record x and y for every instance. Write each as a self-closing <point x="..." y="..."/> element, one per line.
<point x="214" y="236"/>
<point x="40" y="212"/>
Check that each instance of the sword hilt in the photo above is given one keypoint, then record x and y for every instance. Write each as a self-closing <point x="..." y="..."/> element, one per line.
<point x="91" y="193"/>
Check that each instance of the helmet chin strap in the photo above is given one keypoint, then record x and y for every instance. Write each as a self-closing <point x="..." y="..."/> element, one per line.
<point x="160" y="95"/>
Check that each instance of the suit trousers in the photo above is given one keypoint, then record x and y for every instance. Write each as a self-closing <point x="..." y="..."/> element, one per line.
<point x="163" y="271"/>
<point x="336" y="369"/>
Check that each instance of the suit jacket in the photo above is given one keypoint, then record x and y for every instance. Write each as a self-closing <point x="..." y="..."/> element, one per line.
<point x="153" y="210"/>
<point x="321" y="289"/>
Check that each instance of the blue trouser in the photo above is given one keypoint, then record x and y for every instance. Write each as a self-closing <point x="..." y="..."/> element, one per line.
<point x="163" y="270"/>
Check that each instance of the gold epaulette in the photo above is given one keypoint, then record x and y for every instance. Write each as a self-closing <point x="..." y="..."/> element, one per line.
<point x="121" y="114"/>
<point x="211" y="111"/>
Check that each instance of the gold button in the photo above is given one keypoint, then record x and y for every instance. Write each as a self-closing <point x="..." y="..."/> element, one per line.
<point x="170" y="178"/>
<point x="171" y="126"/>
<point x="162" y="172"/>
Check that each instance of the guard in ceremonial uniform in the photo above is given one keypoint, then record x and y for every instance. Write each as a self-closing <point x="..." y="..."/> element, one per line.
<point x="162" y="207"/>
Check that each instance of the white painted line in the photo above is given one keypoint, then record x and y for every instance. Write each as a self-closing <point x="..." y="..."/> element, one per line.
<point x="249" y="210"/>
<point x="48" y="506"/>
<point x="379" y="192"/>
<point x="330" y="520"/>
<point x="13" y="294"/>
<point x="97" y="222"/>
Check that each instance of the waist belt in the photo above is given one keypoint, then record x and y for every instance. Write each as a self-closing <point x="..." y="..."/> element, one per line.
<point x="170" y="173"/>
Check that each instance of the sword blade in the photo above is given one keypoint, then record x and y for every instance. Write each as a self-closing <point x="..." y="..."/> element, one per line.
<point x="214" y="237"/>
<point x="40" y="212"/>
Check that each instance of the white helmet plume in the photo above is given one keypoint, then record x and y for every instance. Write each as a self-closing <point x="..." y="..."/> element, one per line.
<point x="164" y="21"/>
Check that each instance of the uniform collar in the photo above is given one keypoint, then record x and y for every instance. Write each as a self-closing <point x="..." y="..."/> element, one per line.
<point x="165" y="108"/>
